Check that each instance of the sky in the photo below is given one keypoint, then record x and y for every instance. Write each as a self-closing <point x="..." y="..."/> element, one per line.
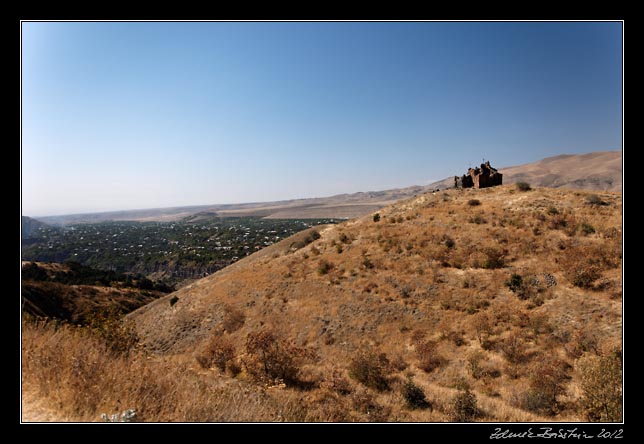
<point x="130" y="115"/>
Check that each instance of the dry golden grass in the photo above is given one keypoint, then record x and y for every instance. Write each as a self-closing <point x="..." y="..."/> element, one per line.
<point x="432" y="270"/>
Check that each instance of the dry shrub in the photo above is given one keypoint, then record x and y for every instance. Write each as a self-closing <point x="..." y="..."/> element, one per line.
<point x="371" y="369"/>
<point x="482" y="325"/>
<point x="547" y="378"/>
<point x="583" y="264"/>
<point x="108" y="325"/>
<point x="463" y="407"/>
<point x="474" y="360"/>
<point x="539" y="324"/>
<point x="219" y="352"/>
<point x="78" y="372"/>
<point x="601" y="385"/>
<point x="324" y="266"/>
<point x="337" y="383"/>
<point x="428" y="357"/>
<point x="513" y="348"/>
<point x="233" y="319"/>
<point x="364" y="402"/>
<point x="584" y="340"/>
<point x="270" y="359"/>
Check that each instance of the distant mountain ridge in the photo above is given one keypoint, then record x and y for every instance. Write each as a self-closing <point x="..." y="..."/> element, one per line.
<point x="600" y="171"/>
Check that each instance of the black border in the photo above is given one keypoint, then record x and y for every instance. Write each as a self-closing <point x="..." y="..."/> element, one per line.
<point x="426" y="431"/>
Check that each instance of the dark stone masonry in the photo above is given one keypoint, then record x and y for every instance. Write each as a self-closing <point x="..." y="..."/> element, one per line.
<point x="480" y="177"/>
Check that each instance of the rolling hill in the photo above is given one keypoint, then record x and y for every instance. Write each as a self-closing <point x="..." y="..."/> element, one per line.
<point x="495" y="295"/>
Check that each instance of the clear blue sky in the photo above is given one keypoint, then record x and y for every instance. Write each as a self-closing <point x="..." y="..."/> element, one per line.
<point x="143" y="115"/>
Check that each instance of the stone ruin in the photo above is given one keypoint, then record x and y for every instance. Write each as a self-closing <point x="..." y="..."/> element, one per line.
<point x="482" y="177"/>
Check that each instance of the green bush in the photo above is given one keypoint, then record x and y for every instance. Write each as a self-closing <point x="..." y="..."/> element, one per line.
<point x="376" y="217"/>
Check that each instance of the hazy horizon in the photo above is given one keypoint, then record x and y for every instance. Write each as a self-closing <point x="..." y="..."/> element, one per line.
<point x="124" y="116"/>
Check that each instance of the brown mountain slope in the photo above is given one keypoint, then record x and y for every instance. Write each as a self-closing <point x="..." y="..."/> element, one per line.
<point x="601" y="171"/>
<point x="592" y="171"/>
<point x="490" y="288"/>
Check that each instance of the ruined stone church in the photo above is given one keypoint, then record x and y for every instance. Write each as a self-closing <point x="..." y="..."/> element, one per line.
<point x="482" y="177"/>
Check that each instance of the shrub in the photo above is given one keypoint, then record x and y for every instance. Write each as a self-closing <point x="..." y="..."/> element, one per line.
<point x="338" y="383"/>
<point x="558" y="222"/>
<point x="233" y="319"/>
<point x="173" y="300"/>
<point x="463" y="407"/>
<point x="428" y="357"/>
<point x="586" y="228"/>
<point x="546" y="383"/>
<point x="474" y="359"/>
<point x="552" y="210"/>
<point x="494" y="258"/>
<point x="311" y="236"/>
<point x="474" y="202"/>
<point x="109" y="326"/>
<point x="448" y="241"/>
<point x="601" y="385"/>
<point x="513" y="348"/>
<point x="584" y="276"/>
<point x="523" y="186"/>
<point x="370" y="369"/>
<point x="595" y="200"/>
<point x="270" y="359"/>
<point x="515" y="283"/>
<point x="376" y="217"/>
<point x="324" y="267"/>
<point x="219" y="352"/>
<point x="364" y="402"/>
<point x="482" y="326"/>
<point x="478" y="220"/>
<point x="344" y="238"/>
<point x="366" y="262"/>
<point x="414" y="396"/>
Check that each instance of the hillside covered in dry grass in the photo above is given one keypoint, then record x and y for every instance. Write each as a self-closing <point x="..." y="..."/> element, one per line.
<point x="462" y="305"/>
